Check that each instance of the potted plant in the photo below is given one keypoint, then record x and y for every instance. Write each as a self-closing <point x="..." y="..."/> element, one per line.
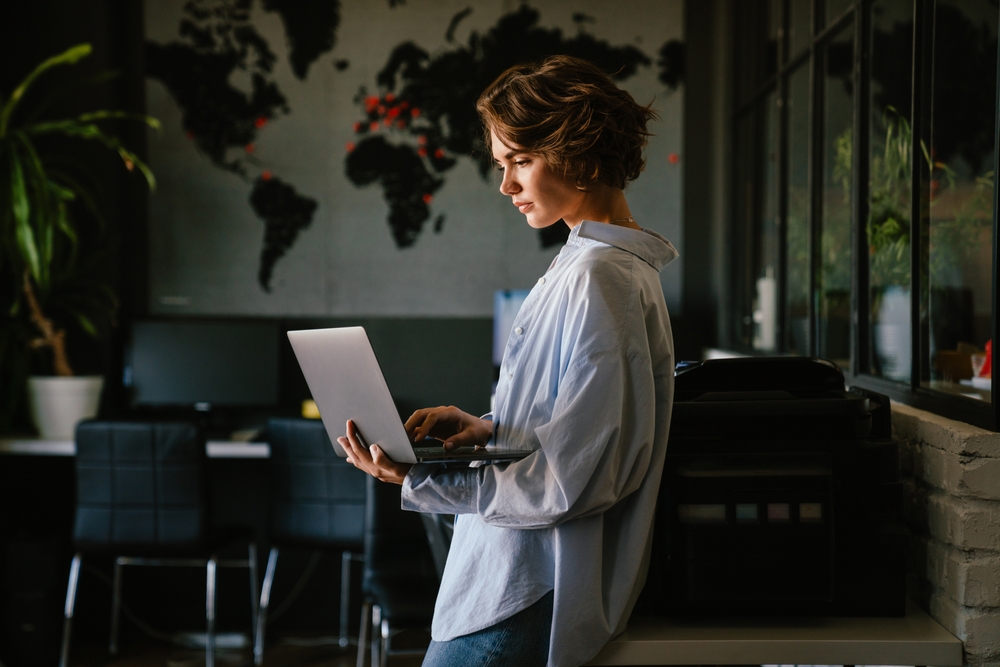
<point x="46" y="287"/>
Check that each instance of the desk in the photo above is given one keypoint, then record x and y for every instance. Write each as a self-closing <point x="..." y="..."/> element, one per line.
<point x="915" y="639"/>
<point x="214" y="449"/>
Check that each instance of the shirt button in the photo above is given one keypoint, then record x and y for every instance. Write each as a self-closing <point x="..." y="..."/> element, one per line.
<point x="518" y="330"/>
<point x="510" y="375"/>
<point x="541" y="281"/>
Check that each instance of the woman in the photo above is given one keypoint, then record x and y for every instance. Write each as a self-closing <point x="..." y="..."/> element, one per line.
<point x="550" y="552"/>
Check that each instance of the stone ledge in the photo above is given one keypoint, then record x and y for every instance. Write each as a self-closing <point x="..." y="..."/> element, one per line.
<point x="970" y="578"/>
<point x="909" y="423"/>
<point x="965" y="476"/>
<point x="978" y="629"/>
<point x="967" y="523"/>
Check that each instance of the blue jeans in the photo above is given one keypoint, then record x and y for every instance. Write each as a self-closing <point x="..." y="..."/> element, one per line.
<point x="521" y="640"/>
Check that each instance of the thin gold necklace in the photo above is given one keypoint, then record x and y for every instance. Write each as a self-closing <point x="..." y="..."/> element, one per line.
<point x="620" y="220"/>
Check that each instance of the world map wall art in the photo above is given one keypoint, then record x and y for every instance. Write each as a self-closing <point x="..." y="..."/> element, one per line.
<point x="324" y="157"/>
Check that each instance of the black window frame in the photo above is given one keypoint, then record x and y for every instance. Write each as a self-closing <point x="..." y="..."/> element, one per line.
<point x="750" y="54"/>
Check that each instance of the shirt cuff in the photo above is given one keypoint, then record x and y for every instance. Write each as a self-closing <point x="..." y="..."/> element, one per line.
<point x="436" y="488"/>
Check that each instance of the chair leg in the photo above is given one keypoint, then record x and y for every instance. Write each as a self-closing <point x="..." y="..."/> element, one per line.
<point x="265" y="602"/>
<point x="376" y="635"/>
<point x="345" y="595"/>
<point x="74" y="579"/>
<point x="116" y="606"/>
<point x="366" y="619"/>
<point x="210" y="612"/>
<point x="386" y="641"/>
<point x="254" y="600"/>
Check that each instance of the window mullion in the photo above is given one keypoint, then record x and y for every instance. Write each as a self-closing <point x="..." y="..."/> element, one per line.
<point x="860" y="288"/>
<point x="919" y="190"/>
<point x="781" y="335"/>
<point x="816" y="95"/>
<point x="994" y="385"/>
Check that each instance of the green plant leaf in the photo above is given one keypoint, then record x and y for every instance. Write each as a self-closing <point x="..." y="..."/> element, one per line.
<point x="67" y="57"/>
<point x="105" y="114"/>
<point x="86" y="324"/>
<point x="70" y="91"/>
<point x="74" y="128"/>
<point x="21" y="208"/>
<point x="71" y="184"/>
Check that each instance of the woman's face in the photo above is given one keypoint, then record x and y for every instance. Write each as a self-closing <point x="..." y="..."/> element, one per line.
<point x="544" y="197"/>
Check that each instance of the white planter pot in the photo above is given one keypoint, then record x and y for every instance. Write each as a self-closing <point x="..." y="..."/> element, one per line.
<point x="892" y="334"/>
<point x="58" y="404"/>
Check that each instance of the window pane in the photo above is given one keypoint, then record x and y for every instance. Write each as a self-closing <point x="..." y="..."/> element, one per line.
<point x="742" y="242"/>
<point x="756" y="46"/>
<point x="959" y="262"/>
<point x="797" y="213"/>
<point x="765" y="306"/>
<point x="799" y="26"/>
<point x="888" y="227"/>
<point x="834" y="270"/>
<point x="774" y="29"/>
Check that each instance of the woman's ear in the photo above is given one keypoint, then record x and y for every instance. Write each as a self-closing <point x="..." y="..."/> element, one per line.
<point x="587" y="174"/>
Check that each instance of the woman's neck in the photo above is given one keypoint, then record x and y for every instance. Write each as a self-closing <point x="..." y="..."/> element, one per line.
<point x="606" y="204"/>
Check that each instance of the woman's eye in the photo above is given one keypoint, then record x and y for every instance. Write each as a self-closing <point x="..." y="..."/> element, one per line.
<point x="521" y="163"/>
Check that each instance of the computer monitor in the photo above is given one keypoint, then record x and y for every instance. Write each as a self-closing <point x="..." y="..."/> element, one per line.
<point x="203" y="365"/>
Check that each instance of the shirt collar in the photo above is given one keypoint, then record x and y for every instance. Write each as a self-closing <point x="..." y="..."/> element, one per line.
<point x="645" y="244"/>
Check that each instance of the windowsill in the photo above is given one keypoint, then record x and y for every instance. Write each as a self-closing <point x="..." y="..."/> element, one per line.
<point x="962" y="388"/>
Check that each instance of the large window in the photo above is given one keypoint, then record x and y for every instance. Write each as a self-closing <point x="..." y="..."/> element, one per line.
<point x="863" y="204"/>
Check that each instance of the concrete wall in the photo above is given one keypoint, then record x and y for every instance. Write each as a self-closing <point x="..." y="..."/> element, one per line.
<point x="952" y="481"/>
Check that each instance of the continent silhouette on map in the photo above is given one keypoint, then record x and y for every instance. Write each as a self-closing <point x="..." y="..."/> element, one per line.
<point x="428" y="107"/>
<point x="285" y="214"/>
<point x="311" y="29"/>
<point x="217" y="39"/>
<point x="671" y="64"/>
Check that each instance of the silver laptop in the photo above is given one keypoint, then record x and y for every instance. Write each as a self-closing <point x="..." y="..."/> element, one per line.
<point x="347" y="383"/>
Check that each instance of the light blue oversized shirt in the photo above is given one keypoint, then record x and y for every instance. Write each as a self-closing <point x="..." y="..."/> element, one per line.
<point x="587" y="383"/>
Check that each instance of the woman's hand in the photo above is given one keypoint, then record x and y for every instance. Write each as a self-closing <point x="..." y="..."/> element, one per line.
<point x="449" y="425"/>
<point x="374" y="461"/>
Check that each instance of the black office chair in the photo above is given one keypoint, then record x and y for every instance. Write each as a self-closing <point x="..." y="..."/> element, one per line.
<point x="318" y="503"/>
<point x="141" y="496"/>
<point x="400" y="579"/>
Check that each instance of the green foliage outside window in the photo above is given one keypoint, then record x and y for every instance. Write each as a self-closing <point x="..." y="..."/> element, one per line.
<point x="953" y="240"/>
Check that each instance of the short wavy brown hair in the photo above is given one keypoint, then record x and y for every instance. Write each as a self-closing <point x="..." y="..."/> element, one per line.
<point x="572" y="114"/>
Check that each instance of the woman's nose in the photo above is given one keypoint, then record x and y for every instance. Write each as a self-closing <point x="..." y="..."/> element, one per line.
<point x="508" y="185"/>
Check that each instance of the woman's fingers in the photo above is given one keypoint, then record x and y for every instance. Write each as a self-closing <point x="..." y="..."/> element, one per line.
<point x="357" y="454"/>
<point x="346" y="446"/>
<point x="415" y="420"/>
<point x="372" y="461"/>
<point x="421" y="423"/>
<point x="442" y="423"/>
<point x="427" y="428"/>
<point x="475" y="432"/>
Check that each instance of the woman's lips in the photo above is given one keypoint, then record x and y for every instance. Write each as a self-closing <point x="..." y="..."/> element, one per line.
<point x="522" y="206"/>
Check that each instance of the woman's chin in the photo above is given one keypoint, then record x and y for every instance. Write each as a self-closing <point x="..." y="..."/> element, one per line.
<point x="541" y="223"/>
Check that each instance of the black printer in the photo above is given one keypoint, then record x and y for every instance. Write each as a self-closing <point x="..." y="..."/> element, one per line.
<point x="780" y="495"/>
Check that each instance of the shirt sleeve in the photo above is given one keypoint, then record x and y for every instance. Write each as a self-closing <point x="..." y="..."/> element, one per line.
<point x="593" y="452"/>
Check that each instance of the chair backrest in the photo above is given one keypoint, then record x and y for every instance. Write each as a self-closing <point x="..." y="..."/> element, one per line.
<point x="396" y="544"/>
<point x="141" y="485"/>
<point x="317" y="497"/>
